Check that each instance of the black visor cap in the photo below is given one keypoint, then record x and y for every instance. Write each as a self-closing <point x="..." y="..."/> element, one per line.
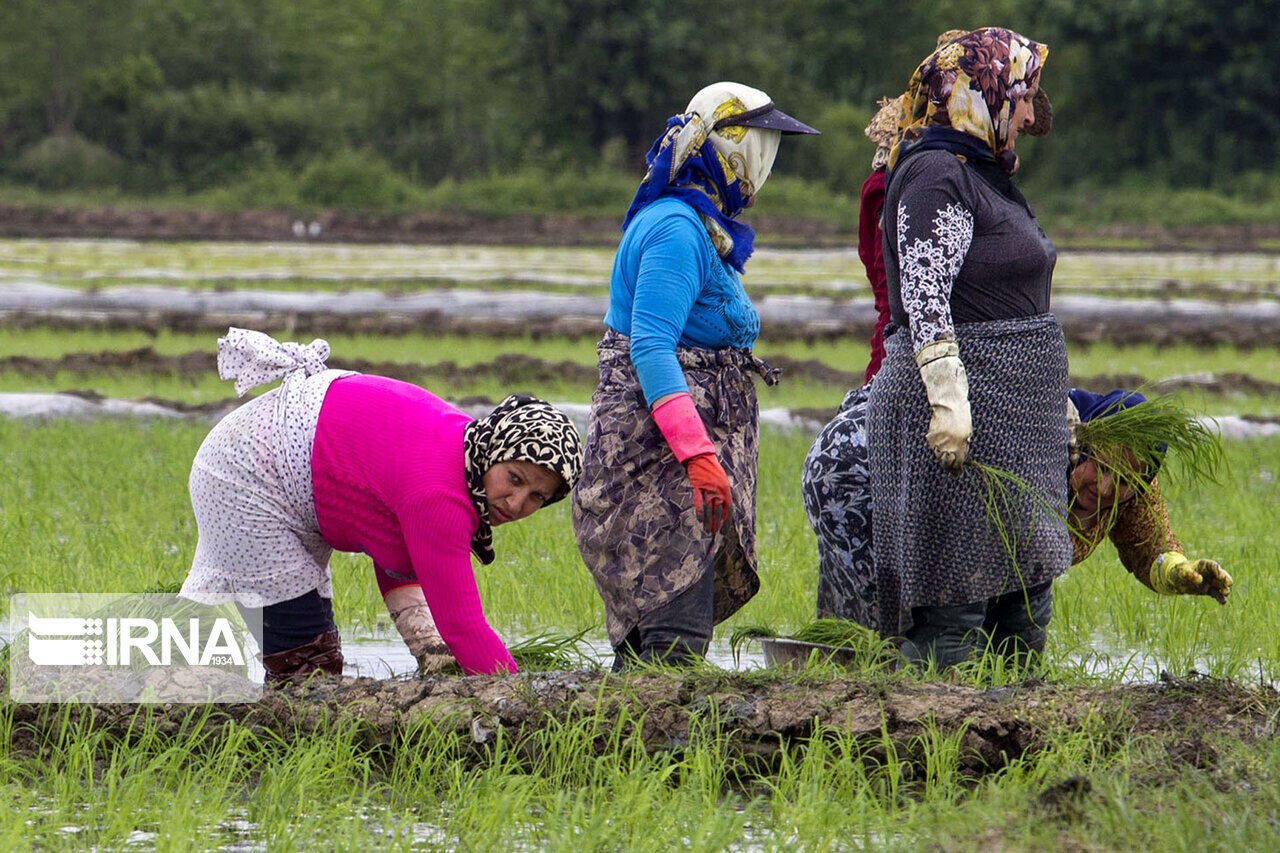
<point x="768" y="117"/>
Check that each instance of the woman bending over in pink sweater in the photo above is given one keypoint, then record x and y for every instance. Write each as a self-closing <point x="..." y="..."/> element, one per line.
<point x="338" y="460"/>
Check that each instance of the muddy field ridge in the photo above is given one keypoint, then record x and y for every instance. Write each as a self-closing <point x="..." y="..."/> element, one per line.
<point x="558" y="229"/>
<point x="759" y="717"/>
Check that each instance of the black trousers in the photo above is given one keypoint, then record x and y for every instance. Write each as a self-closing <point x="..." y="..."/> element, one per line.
<point x="1012" y="625"/>
<point x="677" y="633"/>
<point x="296" y="622"/>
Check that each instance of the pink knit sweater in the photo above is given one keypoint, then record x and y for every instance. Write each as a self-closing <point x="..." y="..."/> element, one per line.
<point x="388" y="473"/>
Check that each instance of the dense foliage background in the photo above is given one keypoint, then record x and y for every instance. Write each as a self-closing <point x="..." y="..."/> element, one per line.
<point x="373" y="102"/>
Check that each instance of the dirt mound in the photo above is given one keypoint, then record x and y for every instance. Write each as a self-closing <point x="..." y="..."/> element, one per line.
<point x="507" y="368"/>
<point x="332" y="226"/>
<point x="326" y="226"/>
<point x="24" y="220"/>
<point x="759" y="716"/>
<point x="1085" y="320"/>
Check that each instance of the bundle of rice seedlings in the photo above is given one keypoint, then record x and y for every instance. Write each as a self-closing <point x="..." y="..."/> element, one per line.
<point x="542" y="653"/>
<point x="740" y="636"/>
<point x="1002" y="492"/>
<point x="546" y="652"/>
<point x="1134" y="442"/>
<point x="841" y="633"/>
<point x="838" y="632"/>
<point x="1131" y="444"/>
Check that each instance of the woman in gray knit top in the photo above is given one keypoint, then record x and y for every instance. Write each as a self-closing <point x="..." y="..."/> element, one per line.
<point x="975" y="365"/>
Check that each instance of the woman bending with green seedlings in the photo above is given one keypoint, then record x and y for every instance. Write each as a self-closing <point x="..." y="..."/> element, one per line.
<point x="338" y="460"/>
<point x="1120" y="500"/>
<point x="1114" y="492"/>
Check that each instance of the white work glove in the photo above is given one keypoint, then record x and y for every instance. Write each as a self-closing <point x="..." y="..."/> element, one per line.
<point x="948" y="388"/>
<point x="412" y="617"/>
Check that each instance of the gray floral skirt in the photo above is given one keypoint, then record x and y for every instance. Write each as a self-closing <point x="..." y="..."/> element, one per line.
<point x="633" y="507"/>
<point x="934" y="545"/>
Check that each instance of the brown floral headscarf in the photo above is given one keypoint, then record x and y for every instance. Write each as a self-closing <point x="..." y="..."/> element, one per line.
<point x="972" y="85"/>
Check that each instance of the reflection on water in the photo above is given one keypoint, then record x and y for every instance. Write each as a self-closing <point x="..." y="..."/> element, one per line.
<point x="381" y="656"/>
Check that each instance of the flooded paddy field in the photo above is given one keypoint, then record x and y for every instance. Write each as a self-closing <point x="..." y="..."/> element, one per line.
<point x="1152" y="726"/>
<point x="404" y="268"/>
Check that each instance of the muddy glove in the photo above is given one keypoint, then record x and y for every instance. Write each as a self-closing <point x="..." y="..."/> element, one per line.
<point x="948" y="389"/>
<point x="682" y="427"/>
<point x="1173" y="574"/>
<point x="409" y="611"/>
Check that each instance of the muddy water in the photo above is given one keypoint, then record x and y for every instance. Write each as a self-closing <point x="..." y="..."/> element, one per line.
<point x="87" y="262"/>
<point x="387" y="657"/>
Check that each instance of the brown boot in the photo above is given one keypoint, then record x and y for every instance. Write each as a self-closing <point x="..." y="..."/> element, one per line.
<point x="323" y="654"/>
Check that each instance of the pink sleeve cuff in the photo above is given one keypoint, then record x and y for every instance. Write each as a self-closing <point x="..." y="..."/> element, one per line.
<point x="682" y="427"/>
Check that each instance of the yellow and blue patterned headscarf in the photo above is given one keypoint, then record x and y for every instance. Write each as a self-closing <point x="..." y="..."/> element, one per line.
<point x="685" y="164"/>
<point x="962" y="97"/>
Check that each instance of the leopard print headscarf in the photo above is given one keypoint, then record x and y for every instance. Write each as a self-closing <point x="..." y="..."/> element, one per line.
<point x="521" y="428"/>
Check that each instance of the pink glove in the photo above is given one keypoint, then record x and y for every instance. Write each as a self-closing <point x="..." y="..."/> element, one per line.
<point x="684" y="431"/>
<point x="682" y="427"/>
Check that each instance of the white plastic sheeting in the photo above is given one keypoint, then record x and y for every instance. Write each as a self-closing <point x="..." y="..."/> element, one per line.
<point x="35" y="298"/>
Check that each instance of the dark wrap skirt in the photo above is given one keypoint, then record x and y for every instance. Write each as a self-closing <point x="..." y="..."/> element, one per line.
<point x="633" y="507"/>
<point x="934" y="545"/>
<point x="835" y="484"/>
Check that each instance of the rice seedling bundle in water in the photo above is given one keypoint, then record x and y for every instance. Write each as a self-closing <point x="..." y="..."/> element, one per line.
<point x="543" y="653"/>
<point x="841" y="633"/>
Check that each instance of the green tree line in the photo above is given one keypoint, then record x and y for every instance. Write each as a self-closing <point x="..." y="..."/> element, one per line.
<point x="368" y="96"/>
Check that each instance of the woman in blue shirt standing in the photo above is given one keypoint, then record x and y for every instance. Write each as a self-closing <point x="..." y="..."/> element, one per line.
<point x="665" y="511"/>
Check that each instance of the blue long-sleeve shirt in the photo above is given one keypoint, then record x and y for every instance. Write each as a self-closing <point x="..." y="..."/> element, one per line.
<point x="670" y="287"/>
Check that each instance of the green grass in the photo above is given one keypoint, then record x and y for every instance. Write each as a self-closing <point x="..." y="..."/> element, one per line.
<point x="127" y="385"/>
<point x="844" y="353"/>
<point x="795" y="391"/>
<point x="201" y="788"/>
<point x="418" y="347"/>
<point x="606" y="192"/>
<point x="104" y="506"/>
<point x="1085" y="209"/>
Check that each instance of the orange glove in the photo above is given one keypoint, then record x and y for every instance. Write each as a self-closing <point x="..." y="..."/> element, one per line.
<point x="711" y="498"/>
<point x="682" y="427"/>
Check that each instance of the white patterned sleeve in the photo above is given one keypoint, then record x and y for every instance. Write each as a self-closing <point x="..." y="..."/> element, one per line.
<point x="935" y="229"/>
